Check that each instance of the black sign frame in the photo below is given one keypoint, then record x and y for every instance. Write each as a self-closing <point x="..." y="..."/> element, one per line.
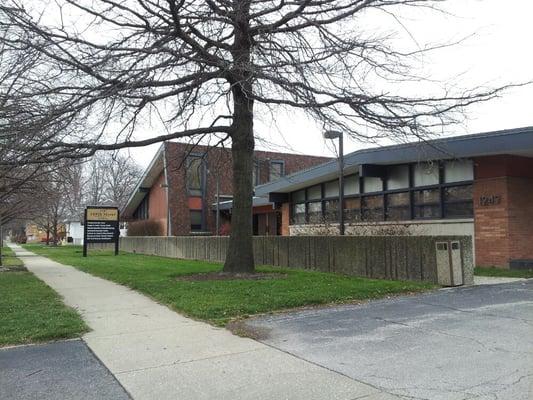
<point x="107" y="224"/>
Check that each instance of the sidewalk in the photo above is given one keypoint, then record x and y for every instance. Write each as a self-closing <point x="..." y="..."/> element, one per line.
<point x="156" y="353"/>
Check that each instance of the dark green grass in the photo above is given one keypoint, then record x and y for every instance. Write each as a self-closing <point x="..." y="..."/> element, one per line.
<point x="31" y="312"/>
<point x="500" y="272"/>
<point x="220" y="301"/>
<point x="9" y="259"/>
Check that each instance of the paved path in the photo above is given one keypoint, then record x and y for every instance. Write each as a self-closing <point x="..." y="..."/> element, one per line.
<point x="453" y="344"/>
<point x="494" y="280"/>
<point x="156" y="353"/>
<point x="65" y="370"/>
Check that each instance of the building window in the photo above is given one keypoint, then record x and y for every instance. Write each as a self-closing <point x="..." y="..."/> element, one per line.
<point x="372" y="184"/>
<point x="331" y="189"/>
<point x="458" y="171"/>
<point x="458" y="202"/>
<point x="398" y="206"/>
<point x="427" y="204"/>
<point x="195" y="175"/>
<point x="314" y="193"/>
<point x="256" y="173"/>
<point x="277" y="170"/>
<point x="331" y="210"/>
<point x="426" y="174"/>
<point x="351" y="185"/>
<point x="142" y="210"/>
<point x="298" y="214"/>
<point x="372" y="208"/>
<point x="196" y="220"/>
<point x="314" y="211"/>
<point x="398" y="177"/>
<point x="433" y="193"/>
<point x="352" y="209"/>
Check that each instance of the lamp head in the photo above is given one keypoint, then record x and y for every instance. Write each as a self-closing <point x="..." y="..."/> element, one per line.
<point x="332" y="134"/>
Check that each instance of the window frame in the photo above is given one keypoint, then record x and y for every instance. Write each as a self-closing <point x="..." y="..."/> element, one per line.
<point x="281" y="163"/>
<point x="441" y="186"/>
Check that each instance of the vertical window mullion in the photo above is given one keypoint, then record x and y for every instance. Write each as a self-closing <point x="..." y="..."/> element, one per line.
<point x="441" y="189"/>
<point x="411" y="192"/>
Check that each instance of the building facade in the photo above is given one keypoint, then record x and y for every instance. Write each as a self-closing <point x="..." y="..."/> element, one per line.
<point x="479" y="185"/>
<point x="179" y="191"/>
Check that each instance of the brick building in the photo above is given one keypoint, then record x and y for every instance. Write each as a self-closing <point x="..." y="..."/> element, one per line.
<point x="479" y="185"/>
<point x="177" y="195"/>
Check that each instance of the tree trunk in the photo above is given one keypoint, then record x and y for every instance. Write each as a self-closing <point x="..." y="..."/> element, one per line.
<point x="240" y="257"/>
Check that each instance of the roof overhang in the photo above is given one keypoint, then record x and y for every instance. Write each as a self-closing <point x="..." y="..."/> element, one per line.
<point x="150" y="175"/>
<point x="513" y="142"/>
<point x="257" y="202"/>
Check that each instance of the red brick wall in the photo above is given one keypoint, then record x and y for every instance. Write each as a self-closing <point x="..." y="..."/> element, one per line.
<point x="520" y="217"/>
<point x="285" y="219"/>
<point x="491" y="223"/>
<point x="219" y="162"/>
<point x="157" y="203"/>
<point x="503" y="229"/>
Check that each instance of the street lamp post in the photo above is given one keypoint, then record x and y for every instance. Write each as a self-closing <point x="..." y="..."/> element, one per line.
<point x="338" y="135"/>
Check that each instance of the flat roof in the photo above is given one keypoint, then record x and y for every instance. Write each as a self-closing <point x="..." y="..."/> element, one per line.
<point x="517" y="141"/>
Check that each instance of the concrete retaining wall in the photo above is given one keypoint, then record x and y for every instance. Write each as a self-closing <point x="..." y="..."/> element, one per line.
<point x="389" y="257"/>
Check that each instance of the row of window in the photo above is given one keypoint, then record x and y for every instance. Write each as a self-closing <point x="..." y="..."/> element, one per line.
<point x="196" y="171"/>
<point x="411" y="191"/>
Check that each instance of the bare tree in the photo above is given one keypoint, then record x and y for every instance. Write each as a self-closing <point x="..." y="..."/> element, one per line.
<point x="110" y="179"/>
<point x="205" y="68"/>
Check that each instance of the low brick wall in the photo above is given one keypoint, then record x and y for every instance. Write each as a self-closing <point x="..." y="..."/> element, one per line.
<point x="389" y="257"/>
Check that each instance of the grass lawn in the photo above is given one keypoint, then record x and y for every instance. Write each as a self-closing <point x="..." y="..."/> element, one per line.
<point x="219" y="301"/>
<point x="509" y="273"/>
<point x="30" y="311"/>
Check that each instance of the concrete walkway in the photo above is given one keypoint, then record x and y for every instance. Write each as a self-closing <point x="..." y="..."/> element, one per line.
<point x="156" y="353"/>
<point x="494" y="280"/>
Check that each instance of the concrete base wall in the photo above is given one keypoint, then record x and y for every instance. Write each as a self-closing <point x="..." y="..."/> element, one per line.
<point x="387" y="257"/>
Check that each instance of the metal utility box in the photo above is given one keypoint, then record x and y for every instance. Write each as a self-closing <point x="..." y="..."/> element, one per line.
<point x="449" y="263"/>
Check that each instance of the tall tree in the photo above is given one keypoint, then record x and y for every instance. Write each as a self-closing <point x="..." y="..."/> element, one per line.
<point x="205" y="67"/>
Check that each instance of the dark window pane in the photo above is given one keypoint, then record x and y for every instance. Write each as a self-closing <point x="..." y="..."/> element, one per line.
<point x="298" y="214"/>
<point x="194" y="175"/>
<point x="277" y="170"/>
<point x="398" y="206"/>
<point x="372" y="208"/>
<point x="298" y="196"/>
<point x="429" y="196"/>
<point x="458" y="202"/>
<point x="427" y="211"/>
<point x="427" y="203"/>
<point x="314" y="193"/>
<point x="459" y="210"/>
<point x="196" y="220"/>
<point x="315" y="212"/>
<point x="331" y="210"/>
<point x="458" y="193"/>
<point x="352" y="209"/>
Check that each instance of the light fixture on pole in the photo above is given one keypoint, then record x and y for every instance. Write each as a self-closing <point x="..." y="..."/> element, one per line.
<point x="332" y="134"/>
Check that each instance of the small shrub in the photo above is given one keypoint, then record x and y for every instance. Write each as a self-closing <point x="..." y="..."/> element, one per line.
<point x="145" y="228"/>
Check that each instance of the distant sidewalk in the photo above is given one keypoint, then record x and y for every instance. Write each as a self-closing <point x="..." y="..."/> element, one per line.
<point x="156" y="353"/>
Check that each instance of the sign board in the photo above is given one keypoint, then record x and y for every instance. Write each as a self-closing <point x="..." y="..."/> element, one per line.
<point x="101" y="226"/>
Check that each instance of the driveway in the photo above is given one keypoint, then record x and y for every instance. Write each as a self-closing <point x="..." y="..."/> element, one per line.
<point x="461" y="343"/>
<point x="65" y="370"/>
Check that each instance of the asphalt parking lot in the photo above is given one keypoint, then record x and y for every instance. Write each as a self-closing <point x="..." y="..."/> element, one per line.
<point x="461" y="343"/>
<point x="56" y="371"/>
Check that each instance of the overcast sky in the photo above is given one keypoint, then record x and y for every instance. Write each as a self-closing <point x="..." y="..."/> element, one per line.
<point x="499" y="52"/>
